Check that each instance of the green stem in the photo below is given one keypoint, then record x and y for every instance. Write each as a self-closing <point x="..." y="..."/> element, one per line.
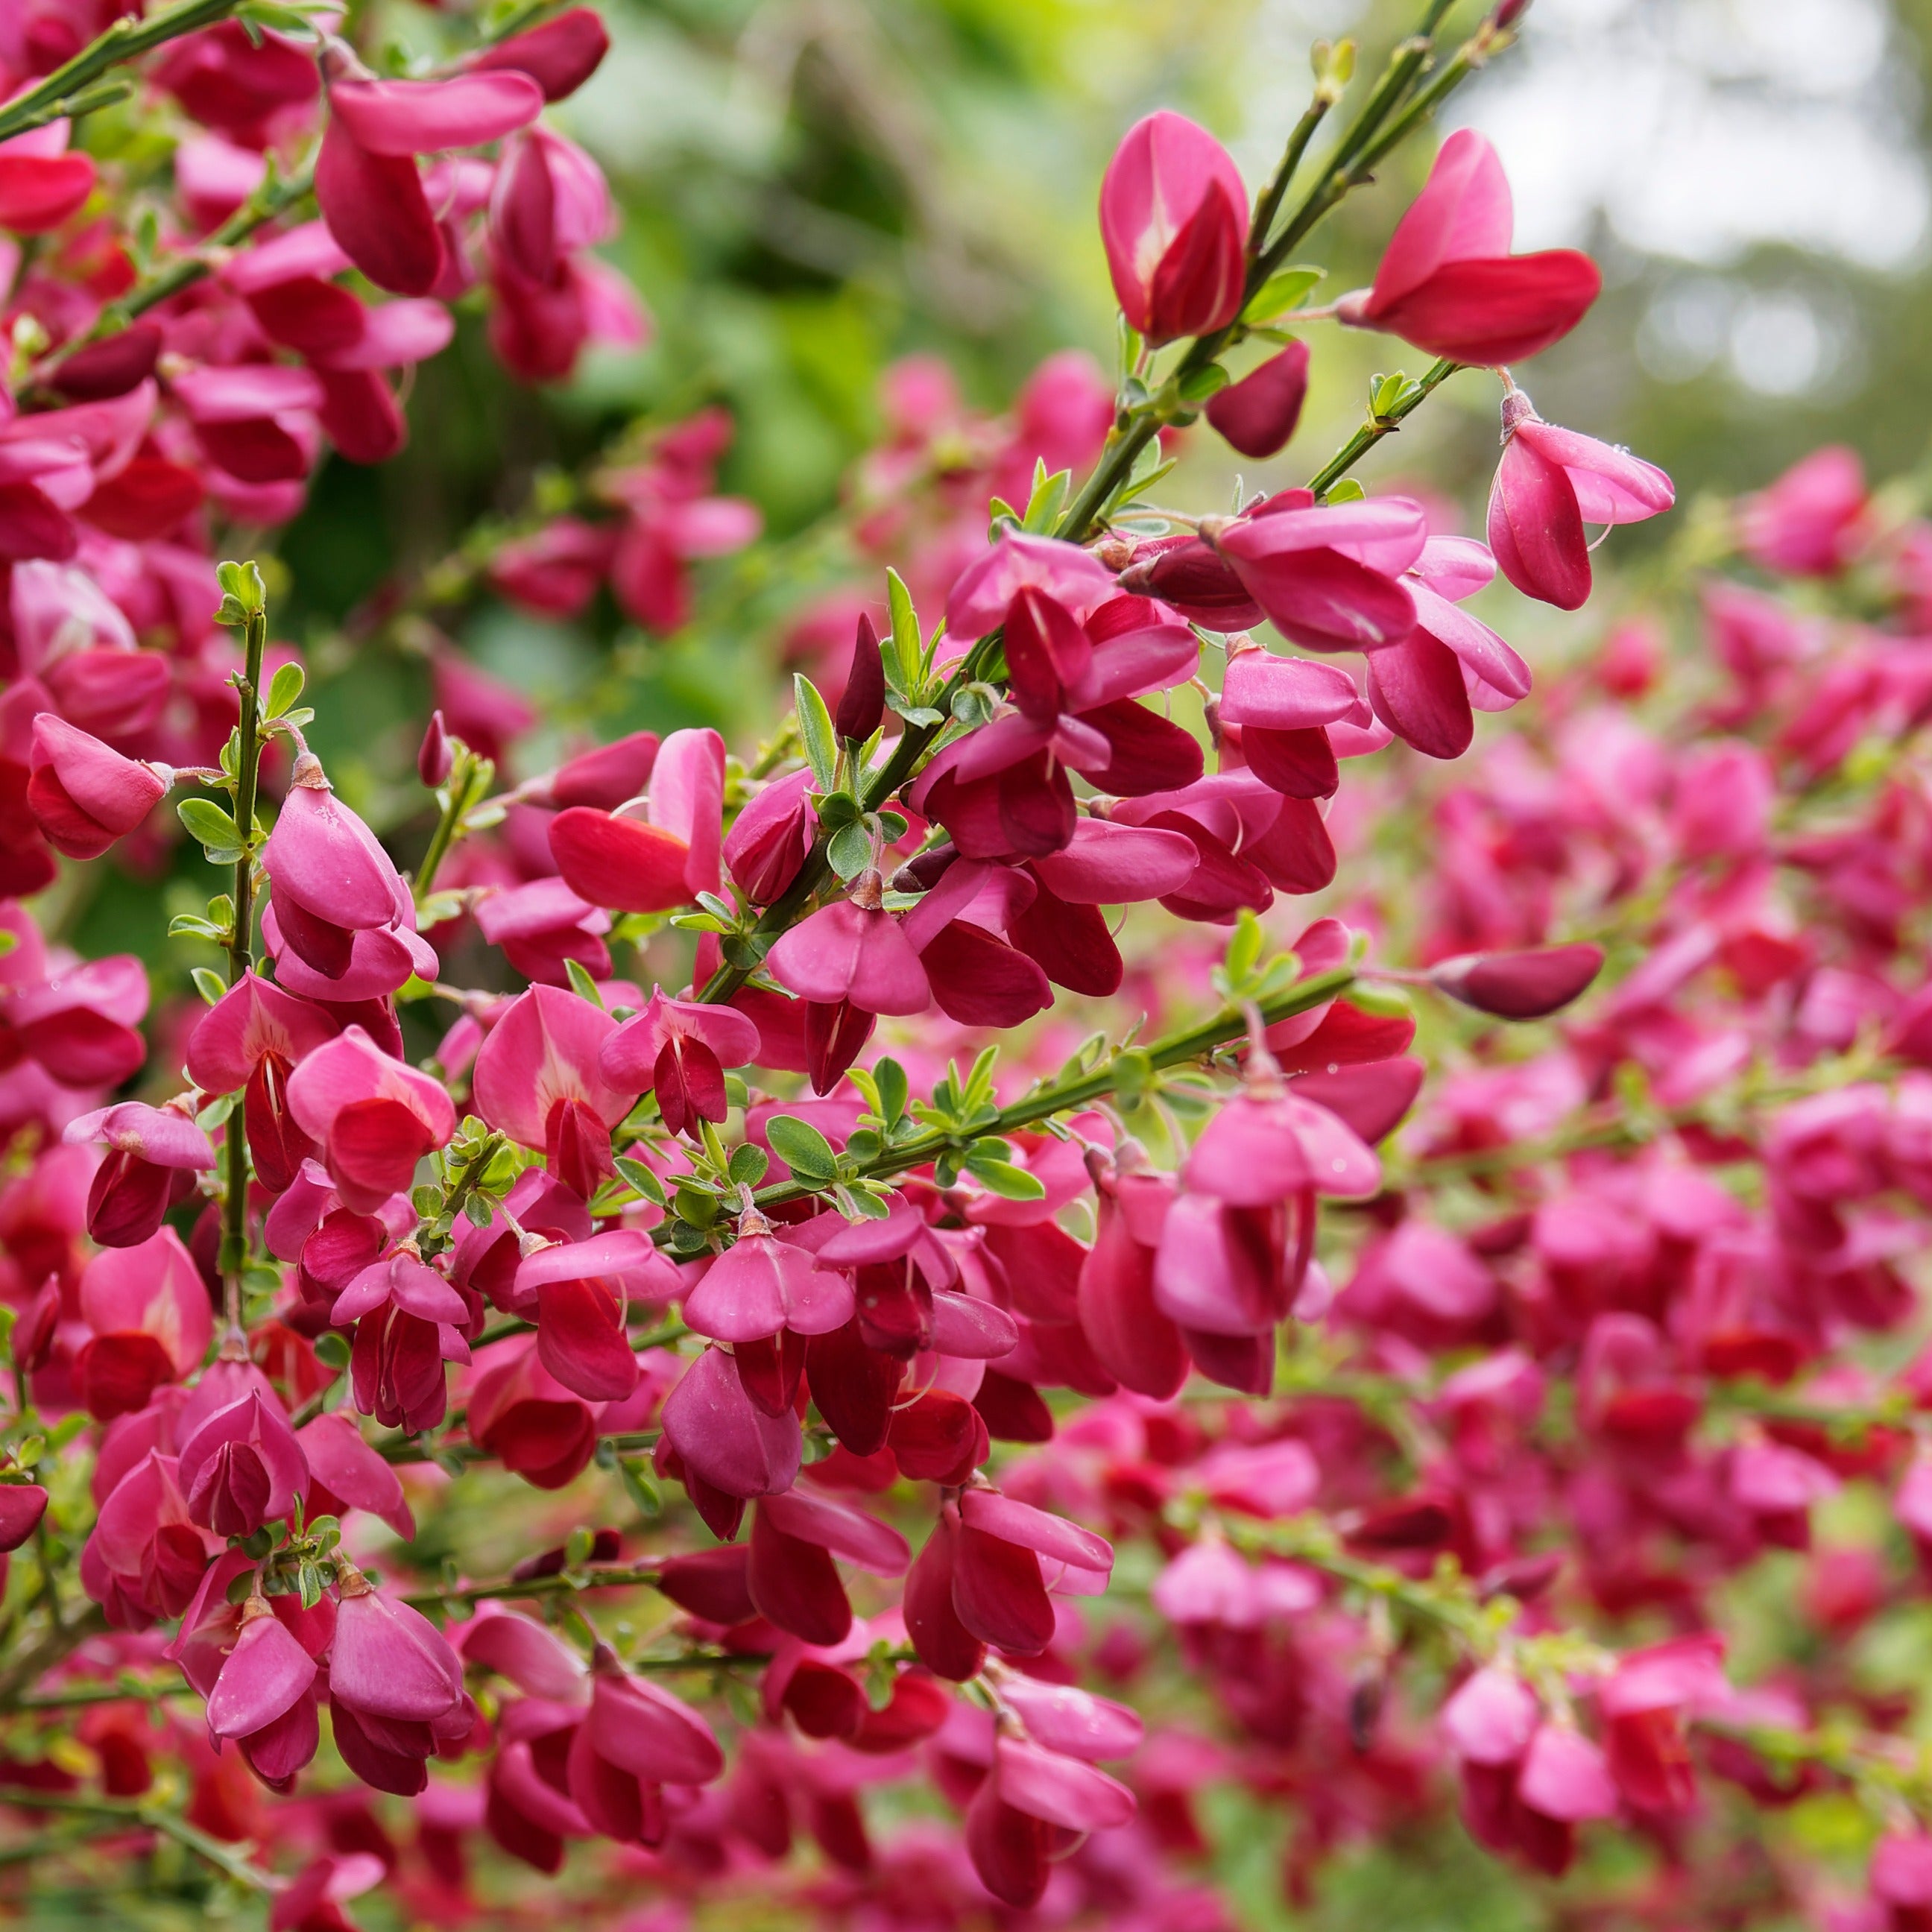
<point x="76" y="1696"/>
<point x="54" y="97"/>
<point x="1060" y="1096"/>
<point x="470" y="776"/>
<point x="1372" y="431"/>
<point x="629" y="1577"/>
<point x="137" y="1817"/>
<point x="234" y="1250"/>
<point x="1131" y="434"/>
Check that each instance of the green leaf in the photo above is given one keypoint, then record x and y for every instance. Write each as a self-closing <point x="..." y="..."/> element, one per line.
<point x="1049" y="498"/>
<point x="641" y="1178"/>
<point x="207" y="824"/>
<point x="242" y="582"/>
<point x="1003" y="1178"/>
<point x="747" y="1165"/>
<point x="582" y="984"/>
<point x="641" y="1487"/>
<point x="1280" y="293"/>
<point x="815" y="731"/>
<point x="1346" y="491"/>
<point x="284" y="688"/>
<point x="331" y="1348"/>
<point x="210" y="985"/>
<point x="1198" y="385"/>
<point x="1244" y="948"/>
<point x="801" y="1147"/>
<point x="893" y="1089"/>
<point x="849" y="851"/>
<point x="908" y="659"/>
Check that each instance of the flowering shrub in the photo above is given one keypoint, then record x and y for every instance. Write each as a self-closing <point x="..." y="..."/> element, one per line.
<point x="656" y="1322"/>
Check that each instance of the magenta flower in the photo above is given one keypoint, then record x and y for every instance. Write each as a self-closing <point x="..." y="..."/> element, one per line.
<point x="366" y="180"/>
<point x="346" y="1474"/>
<point x="1813" y="519"/>
<point x="41" y="185"/>
<point x="1550" y="483"/>
<point x="154" y="1152"/>
<point x="408" y="1322"/>
<point x="243" y="1467"/>
<point x="1427" y="689"/>
<point x="559" y="54"/>
<point x="1524" y="985"/>
<point x="540" y="926"/>
<point x="1021" y="1816"/>
<point x="634" y="865"/>
<point x="373" y="1117"/>
<point x="792" y="1580"/>
<point x="577" y="1292"/>
<point x="1448" y="282"/>
<point x="846" y="952"/>
<point x="528" y="1419"/>
<point x="151" y="1322"/>
<point x="252" y="1038"/>
<point x="1257" y="414"/>
<point x="762" y="1285"/>
<point x="263" y="1696"/>
<point x="679" y="1049"/>
<point x="1174" y="216"/>
<point x="330" y="878"/>
<point x="538" y="1077"/>
<point x="1328" y="579"/>
<point x="83" y="794"/>
<point x="1280" y="707"/>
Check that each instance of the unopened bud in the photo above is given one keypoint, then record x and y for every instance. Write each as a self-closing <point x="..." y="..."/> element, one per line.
<point x="1519" y="986"/>
<point x="436" y="759"/>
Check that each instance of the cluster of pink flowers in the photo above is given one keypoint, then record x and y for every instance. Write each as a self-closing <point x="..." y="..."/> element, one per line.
<point x="891" y="1342"/>
<point x="127" y="444"/>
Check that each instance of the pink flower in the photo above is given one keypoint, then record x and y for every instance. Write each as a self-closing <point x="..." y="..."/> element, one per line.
<point x="1812" y="520"/>
<point x="1520" y="985"/>
<point x="793" y="1581"/>
<point x="845" y="952"/>
<point x="408" y="1322"/>
<point x="1257" y="414"/>
<point x="151" y="1319"/>
<point x="153" y="1153"/>
<point x="243" y="1467"/>
<point x="1427" y="689"/>
<point x="1280" y="707"/>
<point x="1031" y="1797"/>
<point x="84" y="795"/>
<point x="1448" y="282"/>
<point x="679" y="1049"/>
<point x="1327" y="579"/>
<point x="560" y="55"/>
<point x="252" y="1038"/>
<point x="528" y="1419"/>
<point x="373" y="1117"/>
<point x="537" y="1077"/>
<point x="1174" y="216"/>
<point x="1549" y="484"/>
<point x="366" y="180"/>
<point x="577" y="1292"/>
<point x="633" y="865"/>
<point x="41" y="184"/>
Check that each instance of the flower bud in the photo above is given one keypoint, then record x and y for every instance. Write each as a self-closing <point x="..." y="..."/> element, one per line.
<point x="1257" y="414"/>
<point x="436" y="759"/>
<point x="1519" y="986"/>
<point x="1174" y="216"/>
